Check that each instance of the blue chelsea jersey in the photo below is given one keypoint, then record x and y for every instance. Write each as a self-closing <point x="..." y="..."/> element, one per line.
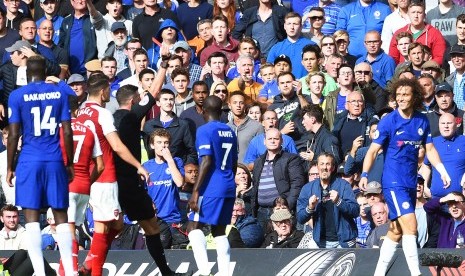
<point x="401" y="140"/>
<point x="219" y="141"/>
<point x="40" y="107"/>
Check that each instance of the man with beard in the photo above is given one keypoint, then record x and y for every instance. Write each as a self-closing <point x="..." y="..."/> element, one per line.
<point x="330" y="202"/>
<point x="115" y="48"/>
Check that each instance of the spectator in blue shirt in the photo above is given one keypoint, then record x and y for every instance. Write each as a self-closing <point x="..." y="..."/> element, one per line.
<point x="257" y="144"/>
<point x="358" y="18"/>
<point x="293" y="45"/>
<point x="50" y="8"/>
<point x="451" y="148"/>
<point x="382" y="65"/>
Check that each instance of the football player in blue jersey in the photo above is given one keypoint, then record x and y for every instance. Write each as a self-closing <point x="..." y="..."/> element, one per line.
<point x="35" y="110"/>
<point x="400" y="134"/>
<point x="214" y="192"/>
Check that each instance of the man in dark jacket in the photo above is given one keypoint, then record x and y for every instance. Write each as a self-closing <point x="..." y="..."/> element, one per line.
<point x="284" y="234"/>
<point x="354" y="122"/>
<point x="82" y="45"/>
<point x="255" y="23"/>
<point x="250" y="231"/>
<point x="331" y="203"/>
<point x="374" y="94"/>
<point x="444" y="95"/>
<point x="275" y="173"/>
<point x="321" y="139"/>
<point x="182" y="141"/>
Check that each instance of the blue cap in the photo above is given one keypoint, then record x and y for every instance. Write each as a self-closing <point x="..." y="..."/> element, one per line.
<point x="117" y="26"/>
<point x="443" y="86"/>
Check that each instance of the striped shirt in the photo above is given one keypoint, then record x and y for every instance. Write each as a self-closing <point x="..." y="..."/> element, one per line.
<point x="267" y="191"/>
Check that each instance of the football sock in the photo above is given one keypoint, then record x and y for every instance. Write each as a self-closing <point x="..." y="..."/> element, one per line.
<point x="409" y="245"/>
<point x="199" y="248"/>
<point x="34" y="239"/>
<point x="99" y="250"/>
<point x="64" y="241"/>
<point x="223" y="255"/>
<point x="388" y="248"/>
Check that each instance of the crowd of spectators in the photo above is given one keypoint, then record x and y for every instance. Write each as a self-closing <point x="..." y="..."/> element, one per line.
<point x="303" y="85"/>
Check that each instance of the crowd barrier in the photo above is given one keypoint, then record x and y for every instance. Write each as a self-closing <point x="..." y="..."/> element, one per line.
<point x="264" y="262"/>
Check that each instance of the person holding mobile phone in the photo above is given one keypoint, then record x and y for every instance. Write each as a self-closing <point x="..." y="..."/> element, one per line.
<point x="330" y="202"/>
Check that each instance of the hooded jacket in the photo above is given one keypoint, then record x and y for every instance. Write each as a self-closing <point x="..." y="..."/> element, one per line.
<point x="430" y="37"/>
<point x="179" y="107"/>
<point x="154" y="52"/>
<point x="230" y="50"/>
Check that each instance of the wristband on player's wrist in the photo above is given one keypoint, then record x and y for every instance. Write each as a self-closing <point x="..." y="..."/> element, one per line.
<point x="364" y="174"/>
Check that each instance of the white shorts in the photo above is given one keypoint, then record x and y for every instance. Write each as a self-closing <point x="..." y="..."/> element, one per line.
<point x="77" y="208"/>
<point x="104" y="201"/>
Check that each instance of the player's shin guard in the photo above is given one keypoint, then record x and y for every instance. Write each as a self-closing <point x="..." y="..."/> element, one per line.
<point x="223" y="255"/>
<point x="199" y="248"/>
<point x="409" y="245"/>
<point x="388" y="248"/>
<point x="99" y="249"/>
<point x="34" y="239"/>
<point x="157" y="252"/>
<point x="64" y="240"/>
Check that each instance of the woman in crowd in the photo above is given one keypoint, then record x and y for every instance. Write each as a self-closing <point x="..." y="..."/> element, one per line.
<point x="254" y="111"/>
<point x="328" y="47"/>
<point x="342" y="43"/>
<point x="243" y="181"/>
<point x="228" y="9"/>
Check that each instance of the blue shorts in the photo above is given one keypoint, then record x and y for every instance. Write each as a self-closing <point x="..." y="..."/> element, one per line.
<point x="213" y="210"/>
<point x="41" y="185"/>
<point x="400" y="201"/>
